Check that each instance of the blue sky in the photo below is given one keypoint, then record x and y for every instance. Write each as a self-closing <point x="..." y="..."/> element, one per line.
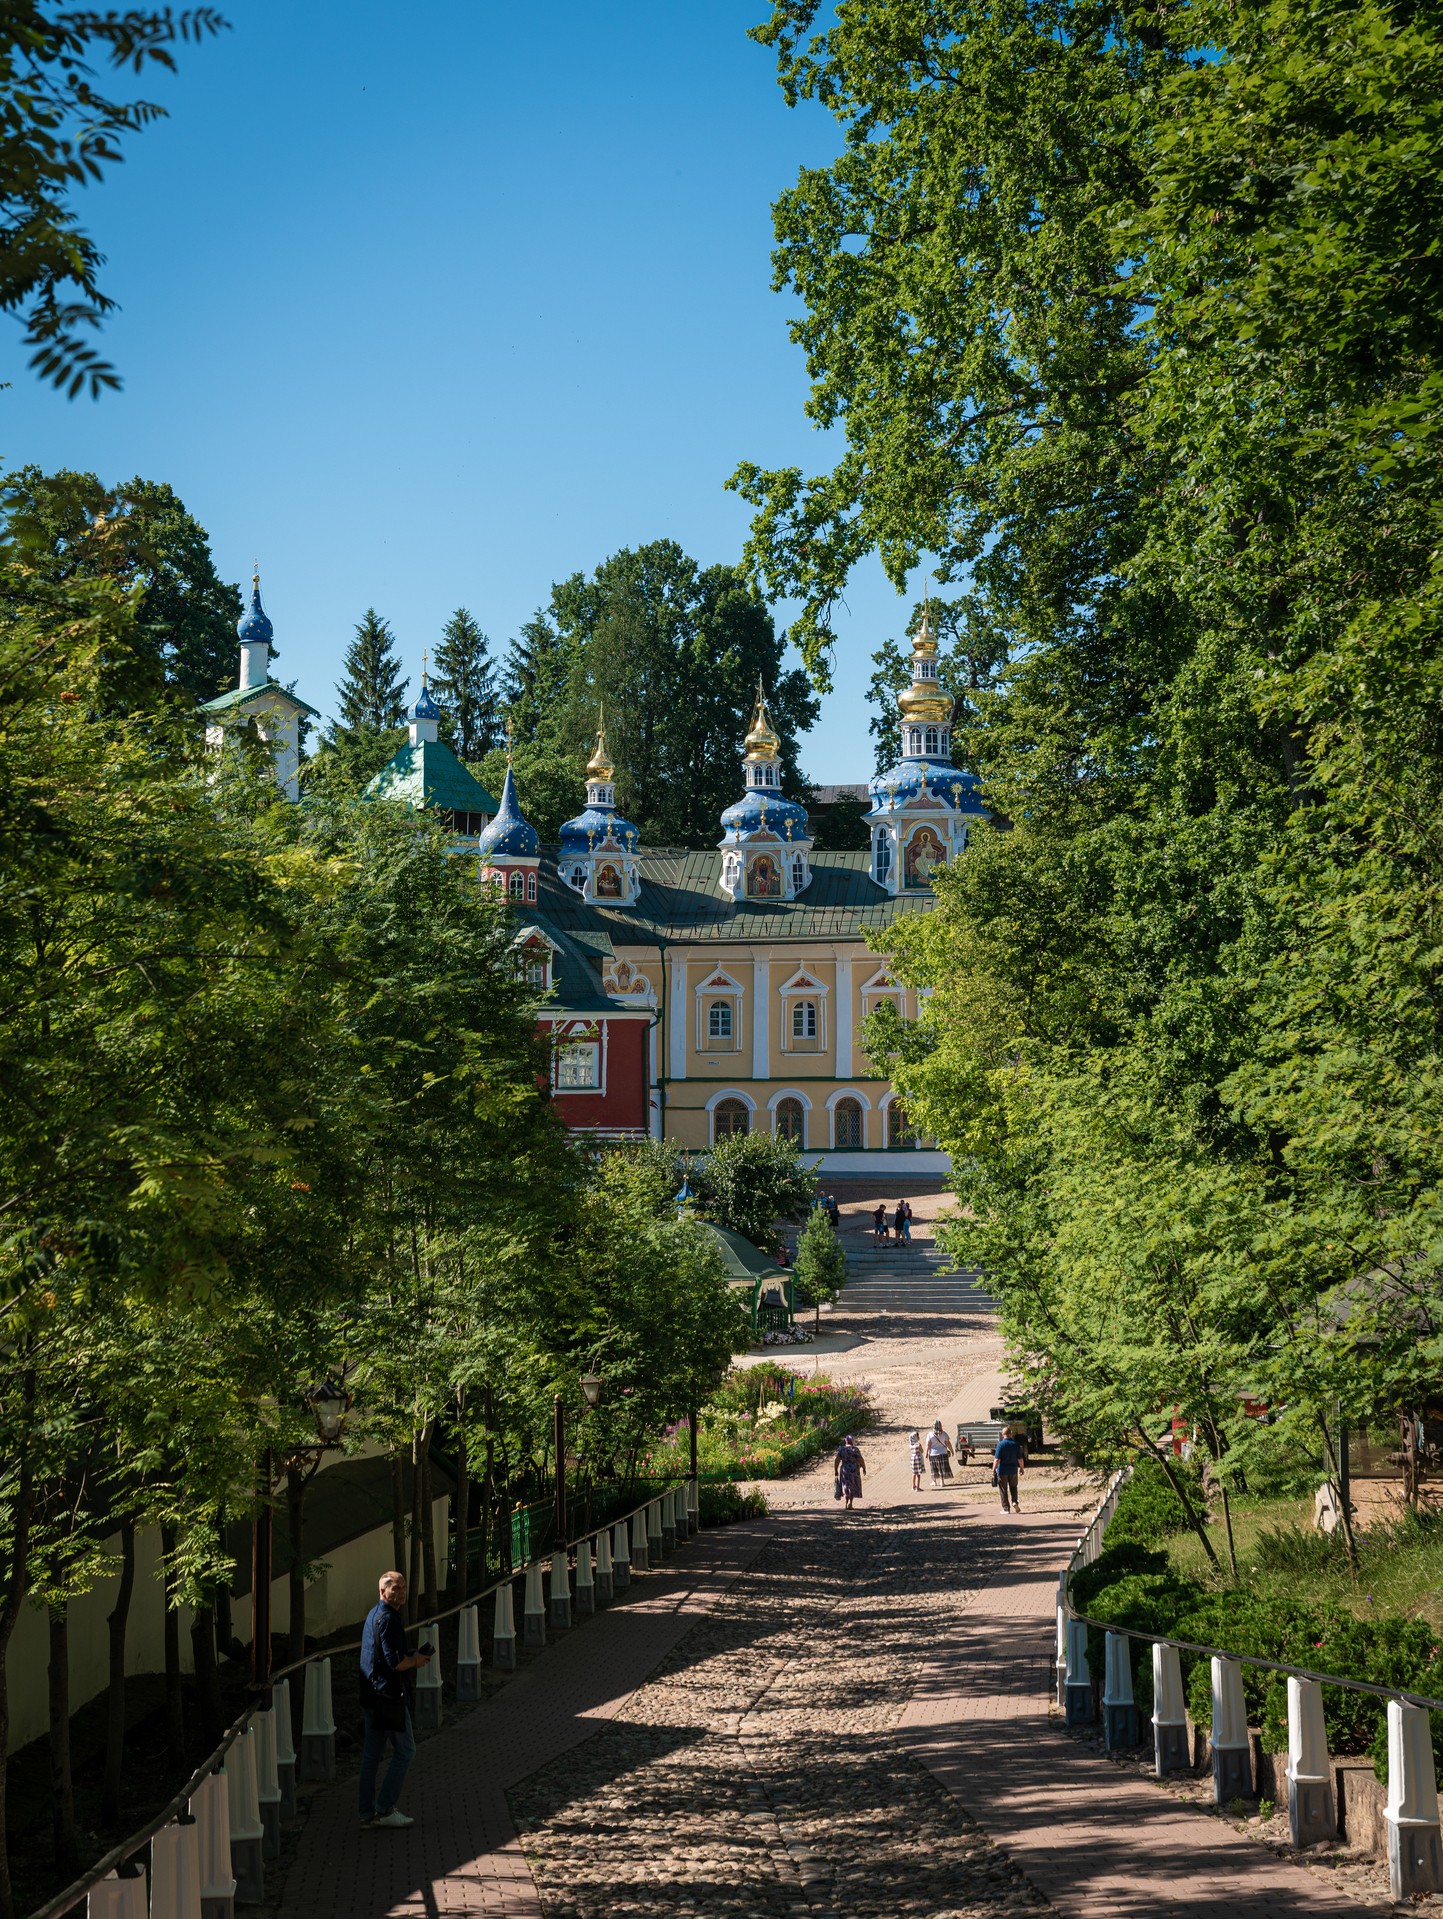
<point x="430" y="306"/>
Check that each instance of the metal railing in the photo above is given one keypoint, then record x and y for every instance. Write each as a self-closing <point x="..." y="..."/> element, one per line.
<point x="71" y="1897"/>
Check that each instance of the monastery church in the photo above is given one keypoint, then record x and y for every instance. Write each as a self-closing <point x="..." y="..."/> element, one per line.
<point x="692" y="994"/>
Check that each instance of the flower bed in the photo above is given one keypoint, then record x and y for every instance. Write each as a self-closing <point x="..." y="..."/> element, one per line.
<point x="764" y="1421"/>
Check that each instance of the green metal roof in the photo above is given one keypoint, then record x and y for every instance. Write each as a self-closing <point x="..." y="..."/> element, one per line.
<point x="682" y="902"/>
<point x="429" y="774"/>
<point x="575" y="976"/>
<point x="242" y="695"/>
<point x="741" y="1259"/>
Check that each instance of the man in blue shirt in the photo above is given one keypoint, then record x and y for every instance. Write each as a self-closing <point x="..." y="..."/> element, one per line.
<point x="384" y="1705"/>
<point x="1006" y="1465"/>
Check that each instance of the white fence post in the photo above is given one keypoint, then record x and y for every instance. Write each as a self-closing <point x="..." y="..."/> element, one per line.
<point x="1119" y="1709"/>
<point x="533" y="1609"/>
<point x="640" y="1551"/>
<point x="654" y="1543"/>
<point x="247" y="1835"/>
<point x="1232" y="1752"/>
<point x="210" y="1807"/>
<point x="430" y="1696"/>
<point x="560" y="1589"/>
<point x="1411" y="1814"/>
<point x="1311" y="1812"/>
<point x="503" y="1640"/>
<point x="1061" y="1659"/>
<point x="175" y="1871"/>
<point x="668" y="1521"/>
<point x="1169" y="1712"/>
<point x="468" y="1656"/>
<point x="117" y="1898"/>
<point x="1078" y="1708"/>
<point x="285" y="1747"/>
<point x="268" y="1781"/>
<point x="318" y="1724"/>
<point x="585" y="1589"/>
<point x="603" y="1566"/>
<point x="621" y="1554"/>
<point x="693" y="1505"/>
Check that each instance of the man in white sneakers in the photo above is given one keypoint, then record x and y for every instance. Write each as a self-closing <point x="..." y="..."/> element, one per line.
<point x="384" y="1705"/>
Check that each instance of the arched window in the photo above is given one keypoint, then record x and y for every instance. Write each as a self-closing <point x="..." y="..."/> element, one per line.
<point x="729" y="1118"/>
<point x="900" y="1130"/>
<point x="915" y="734"/>
<point x="883" y="857"/>
<point x="516" y="885"/>
<point x="578" y="877"/>
<point x="931" y="739"/>
<point x="847" y="1119"/>
<point x="804" y="1019"/>
<point x="799" y="872"/>
<point x="531" y="886"/>
<point x="719" y="1019"/>
<point x="791" y="1120"/>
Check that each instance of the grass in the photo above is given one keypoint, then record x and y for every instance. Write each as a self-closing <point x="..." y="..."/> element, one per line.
<point x="1400" y="1559"/>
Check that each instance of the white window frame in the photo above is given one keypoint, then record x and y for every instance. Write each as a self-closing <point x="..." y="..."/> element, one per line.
<point x="804" y="984"/>
<point x="833" y="1102"/>
<point x="883" y="856"/>
<point x="801" y="1010"/>
<point x="720" y="1009"/>
<point x="931" y="741"/>
<point x="569" y="1033"/>
<point x="724" y="1093"/>
<point x="718" y="984"/>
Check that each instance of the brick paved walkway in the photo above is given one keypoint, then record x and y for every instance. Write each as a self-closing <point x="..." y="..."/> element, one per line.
<point x="1089" y="1836"/>
<point x="808" y="1717"/>
<point x="462" y="1856"/>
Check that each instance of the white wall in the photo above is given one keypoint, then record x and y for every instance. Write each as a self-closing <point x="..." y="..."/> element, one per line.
<point x="341" y="1596"/>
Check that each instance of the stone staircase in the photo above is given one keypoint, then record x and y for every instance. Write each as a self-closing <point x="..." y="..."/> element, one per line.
<point x="906" y="1279"/>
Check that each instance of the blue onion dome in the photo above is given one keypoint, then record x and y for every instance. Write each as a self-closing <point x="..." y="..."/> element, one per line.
<point x="510" y="834"/>
<point x="912" y="780"/>
<point x="425" y="707"/>
<point x="764" y="812"/>
<point x="595" y="827"/>
<point x="253" y="627"/>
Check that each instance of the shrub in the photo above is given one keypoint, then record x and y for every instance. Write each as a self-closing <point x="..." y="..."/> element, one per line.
<point x="1113" y="1563"/>
<point x="719" y="1505"/>
<point x="1148" y="1510"/>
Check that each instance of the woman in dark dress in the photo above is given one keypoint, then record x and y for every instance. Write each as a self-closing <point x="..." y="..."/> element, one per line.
<point x="850" y="1467"/>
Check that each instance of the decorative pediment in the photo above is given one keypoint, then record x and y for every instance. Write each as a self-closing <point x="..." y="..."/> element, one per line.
<point x="622" y="980"/>
<point x="882" y="982"/>
<point x="535" y="939"/>
<point x="803" y="981"/>
<point x="719" y="981"/>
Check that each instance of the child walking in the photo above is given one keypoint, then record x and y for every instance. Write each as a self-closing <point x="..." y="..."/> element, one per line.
<point x="915" y="1442"/>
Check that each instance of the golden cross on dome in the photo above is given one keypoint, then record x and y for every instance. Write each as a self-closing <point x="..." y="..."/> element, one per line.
<point x="508" y="739"/>
<point x="424" y="657"/>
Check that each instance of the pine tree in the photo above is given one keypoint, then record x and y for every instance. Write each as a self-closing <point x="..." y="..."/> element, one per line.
<point x="465" y="685"/>
<point x="372" y="694"/>
<point x="821" y="1269"/>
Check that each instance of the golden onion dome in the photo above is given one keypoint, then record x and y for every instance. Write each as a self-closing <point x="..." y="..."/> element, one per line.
<point x="925" y="700"/>
<point x="762" y="741"/>
<point x="599" y="766"/>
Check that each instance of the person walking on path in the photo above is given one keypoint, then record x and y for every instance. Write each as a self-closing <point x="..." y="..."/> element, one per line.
<point x="914" y="1444"/>
<point x="1006" y="1465"/>
<point x="850" y="1467"/>
<point x="384" y="1704"/>
<point x="939" y="1453"/>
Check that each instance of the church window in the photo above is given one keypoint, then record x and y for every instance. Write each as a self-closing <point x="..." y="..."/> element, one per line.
<point x="538" y="969"/>
<point x="531" y="886"/>
<point x="730" y="1118"/>
<point x="578" y="877"/>
<point x="847" y="1121"/>
<point x="608" y="883"/>
<point x="900" y="1130"/>
<point x="516" y="885"/>
<point x="719" y="1020"/>
<point x="578" y="1067"/>
<point x="791" y="1120"/>
<point x="914" y="736"/>
<point x="931" y="739"/>
<point x="799" y="872"/>
<point x="804" y="1019"/>
<point x="883" y="857"/>
<point x="764" y="879"/>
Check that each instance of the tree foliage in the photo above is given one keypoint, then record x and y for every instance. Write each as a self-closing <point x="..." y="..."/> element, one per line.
<point x="1130" y="318"/>
<point x="464" y="678"/>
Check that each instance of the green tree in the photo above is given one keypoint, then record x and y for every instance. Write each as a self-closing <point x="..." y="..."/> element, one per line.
<point x="187" y="614"/>
<point x="464" y="679"/>
<point x="58" y="132"/>
<point x="750" y="1181"/>
<point x="372" y="693"/>
<point x="821" y="1268"/>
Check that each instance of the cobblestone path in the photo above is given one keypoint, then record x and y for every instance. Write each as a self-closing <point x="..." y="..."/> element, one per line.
<point x="755" y="1773"/>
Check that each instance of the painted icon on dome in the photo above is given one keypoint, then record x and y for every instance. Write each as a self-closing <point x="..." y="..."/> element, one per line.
<point x="924" y="852"/>
<point x="764" y="878"/>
